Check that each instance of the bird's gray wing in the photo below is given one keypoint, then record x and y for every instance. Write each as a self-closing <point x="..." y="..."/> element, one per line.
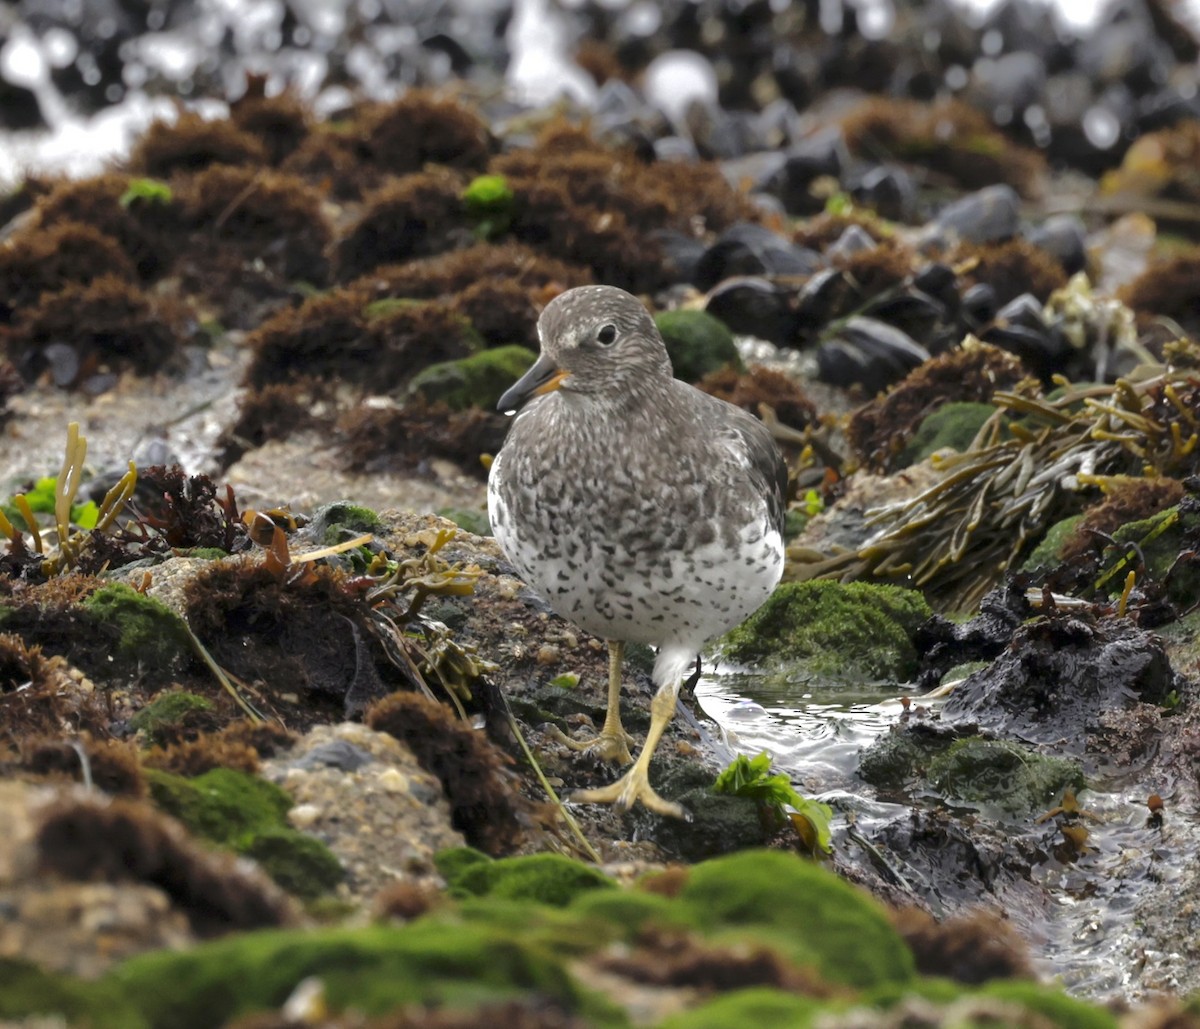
<point x="766" y="466"/>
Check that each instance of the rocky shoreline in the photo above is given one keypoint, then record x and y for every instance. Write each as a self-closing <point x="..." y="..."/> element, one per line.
<point x="278" y="724"/>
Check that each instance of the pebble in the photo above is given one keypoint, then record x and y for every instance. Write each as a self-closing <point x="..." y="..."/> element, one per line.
<point x="365" y="796"/>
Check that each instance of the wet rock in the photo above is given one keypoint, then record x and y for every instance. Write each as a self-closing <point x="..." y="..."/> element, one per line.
<point x="753" y="306"/>
<point x="989" y="215"/>
<point x="1059" y="675"/>
<point x="868" y="353"/>
<point x="749" y="249"/>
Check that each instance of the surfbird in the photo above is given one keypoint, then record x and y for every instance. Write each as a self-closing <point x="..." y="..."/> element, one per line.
<point x="638" y="507"/>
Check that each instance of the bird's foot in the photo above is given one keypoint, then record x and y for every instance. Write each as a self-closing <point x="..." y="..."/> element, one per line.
<point x="632" y="787"/>
<point x="608" y="746"/>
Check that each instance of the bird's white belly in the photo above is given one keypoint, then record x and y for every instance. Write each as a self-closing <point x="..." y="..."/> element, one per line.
<point x="687" y="596"/>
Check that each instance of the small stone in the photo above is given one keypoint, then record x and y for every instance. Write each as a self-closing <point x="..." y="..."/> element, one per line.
<point x="304" y="816"/>
<point x="393" y="780"/>
<point x="548" y="654"/>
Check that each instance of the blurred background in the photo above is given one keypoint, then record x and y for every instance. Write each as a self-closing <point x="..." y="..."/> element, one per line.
<point x="80" y="78"/>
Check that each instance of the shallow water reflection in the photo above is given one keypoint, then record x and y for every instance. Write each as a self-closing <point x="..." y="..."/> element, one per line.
<point x="1110" y="921"/>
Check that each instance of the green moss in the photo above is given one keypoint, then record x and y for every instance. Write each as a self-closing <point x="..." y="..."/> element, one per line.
<point x="372" y="970"/>
<point x="1002" y="773"/>
<point x="488" y="200"/>
<point x="1049" y="550"/>
<point x="853" y="630"/>
<point x="819" y="919"/>
<point x="547" y="878"/>
<point x="249" y="815"/>
<point x="475" y="381"/>
<point x="468" y="519"/>
<point x="1160" y="539"/>
<point x="896" y="758"/>
<point x="301" y="864"/>
<point x="26" y="990"/>
<point x="759" y="1005"/>
<point x="149" y="191"/>
<point x="387" y="306"/>
<point x="204" y="553"/>
<point x="341" y="520"/>
<point x="628" y="910"/>
<point x="697" y="342"/>
<point x="455" y="861"/>
<point x="1060" y="1010"/>
<point x="169" y="711"/>
<point x="952" y="425"/>
<point x="222" y="805"/>
<point x="150" y="634"/>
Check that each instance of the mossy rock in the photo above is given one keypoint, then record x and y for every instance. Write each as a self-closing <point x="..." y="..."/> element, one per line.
<point x="149" y="634"/>
<point x="1048" y="552"/>
<point x="468" y="519"/>
<point x="898" y="757"/>
<point x="1004" y="774"/>
<point x="756" y="1006"/>
<point x="169" y="712"/>
<point x="475" y="381"/>
<point x="952" y="425"/>
<point x="546" y="878"/>
<point x="817" y="918"/>
<point x="301" y="864"/>
<point x="221" y="805"/>
<point x="1160" y="539"/>
<point x="372" y="970"/>
<point x="1058" y="1009"/>
<point x="249" y="815"/>
<point x="836" y="630"/>
<point x="341" y="521"/>
<point x="629" y="910"/>
<point x="27" y="991"/>
<point x="697" y="343"/>
<point x="489" y="202"/>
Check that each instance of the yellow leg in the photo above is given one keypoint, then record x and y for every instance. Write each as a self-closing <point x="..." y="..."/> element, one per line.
<point x="634" y="785"/>
<point x="613" y="742"/>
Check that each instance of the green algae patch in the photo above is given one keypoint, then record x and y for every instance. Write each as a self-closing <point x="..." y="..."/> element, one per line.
<point x="1157" y="541"/>
<point x="546" y="878"/>
<point x="898" y="757"/>
<point x="952" y="425"/>
<point x="759" y="1005"/>
<point x="148" y="633"/>
<point x="490" y="203"/>
<point x="169" y="712"/>
<point x="817" y="918"/>
<point x="1059" y="1009"/>
<point x="342" y="520"/>
<point x="1002" y="774"/>
<point x="629" y="910"/>
<point x="468" y="519"/>
<point x="301" y="864"/>
<point x="697" y="343"/>
<point x="475" y="381"/>
<point x="1049" y="549"/>
<point x="221" y="805"/>
<point x="27" y="991"/>
<point x="249" y="815"/>
<point x="851" y="630"/>
<point x="372" y="970"/>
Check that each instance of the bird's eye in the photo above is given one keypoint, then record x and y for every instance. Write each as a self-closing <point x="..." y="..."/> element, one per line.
<point x="607" y="335"/>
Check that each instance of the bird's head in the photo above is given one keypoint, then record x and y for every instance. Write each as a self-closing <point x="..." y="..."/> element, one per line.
<point x="596" y="340"/>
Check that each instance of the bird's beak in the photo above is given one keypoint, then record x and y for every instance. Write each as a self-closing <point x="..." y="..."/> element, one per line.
<point x="544" y="377"/>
